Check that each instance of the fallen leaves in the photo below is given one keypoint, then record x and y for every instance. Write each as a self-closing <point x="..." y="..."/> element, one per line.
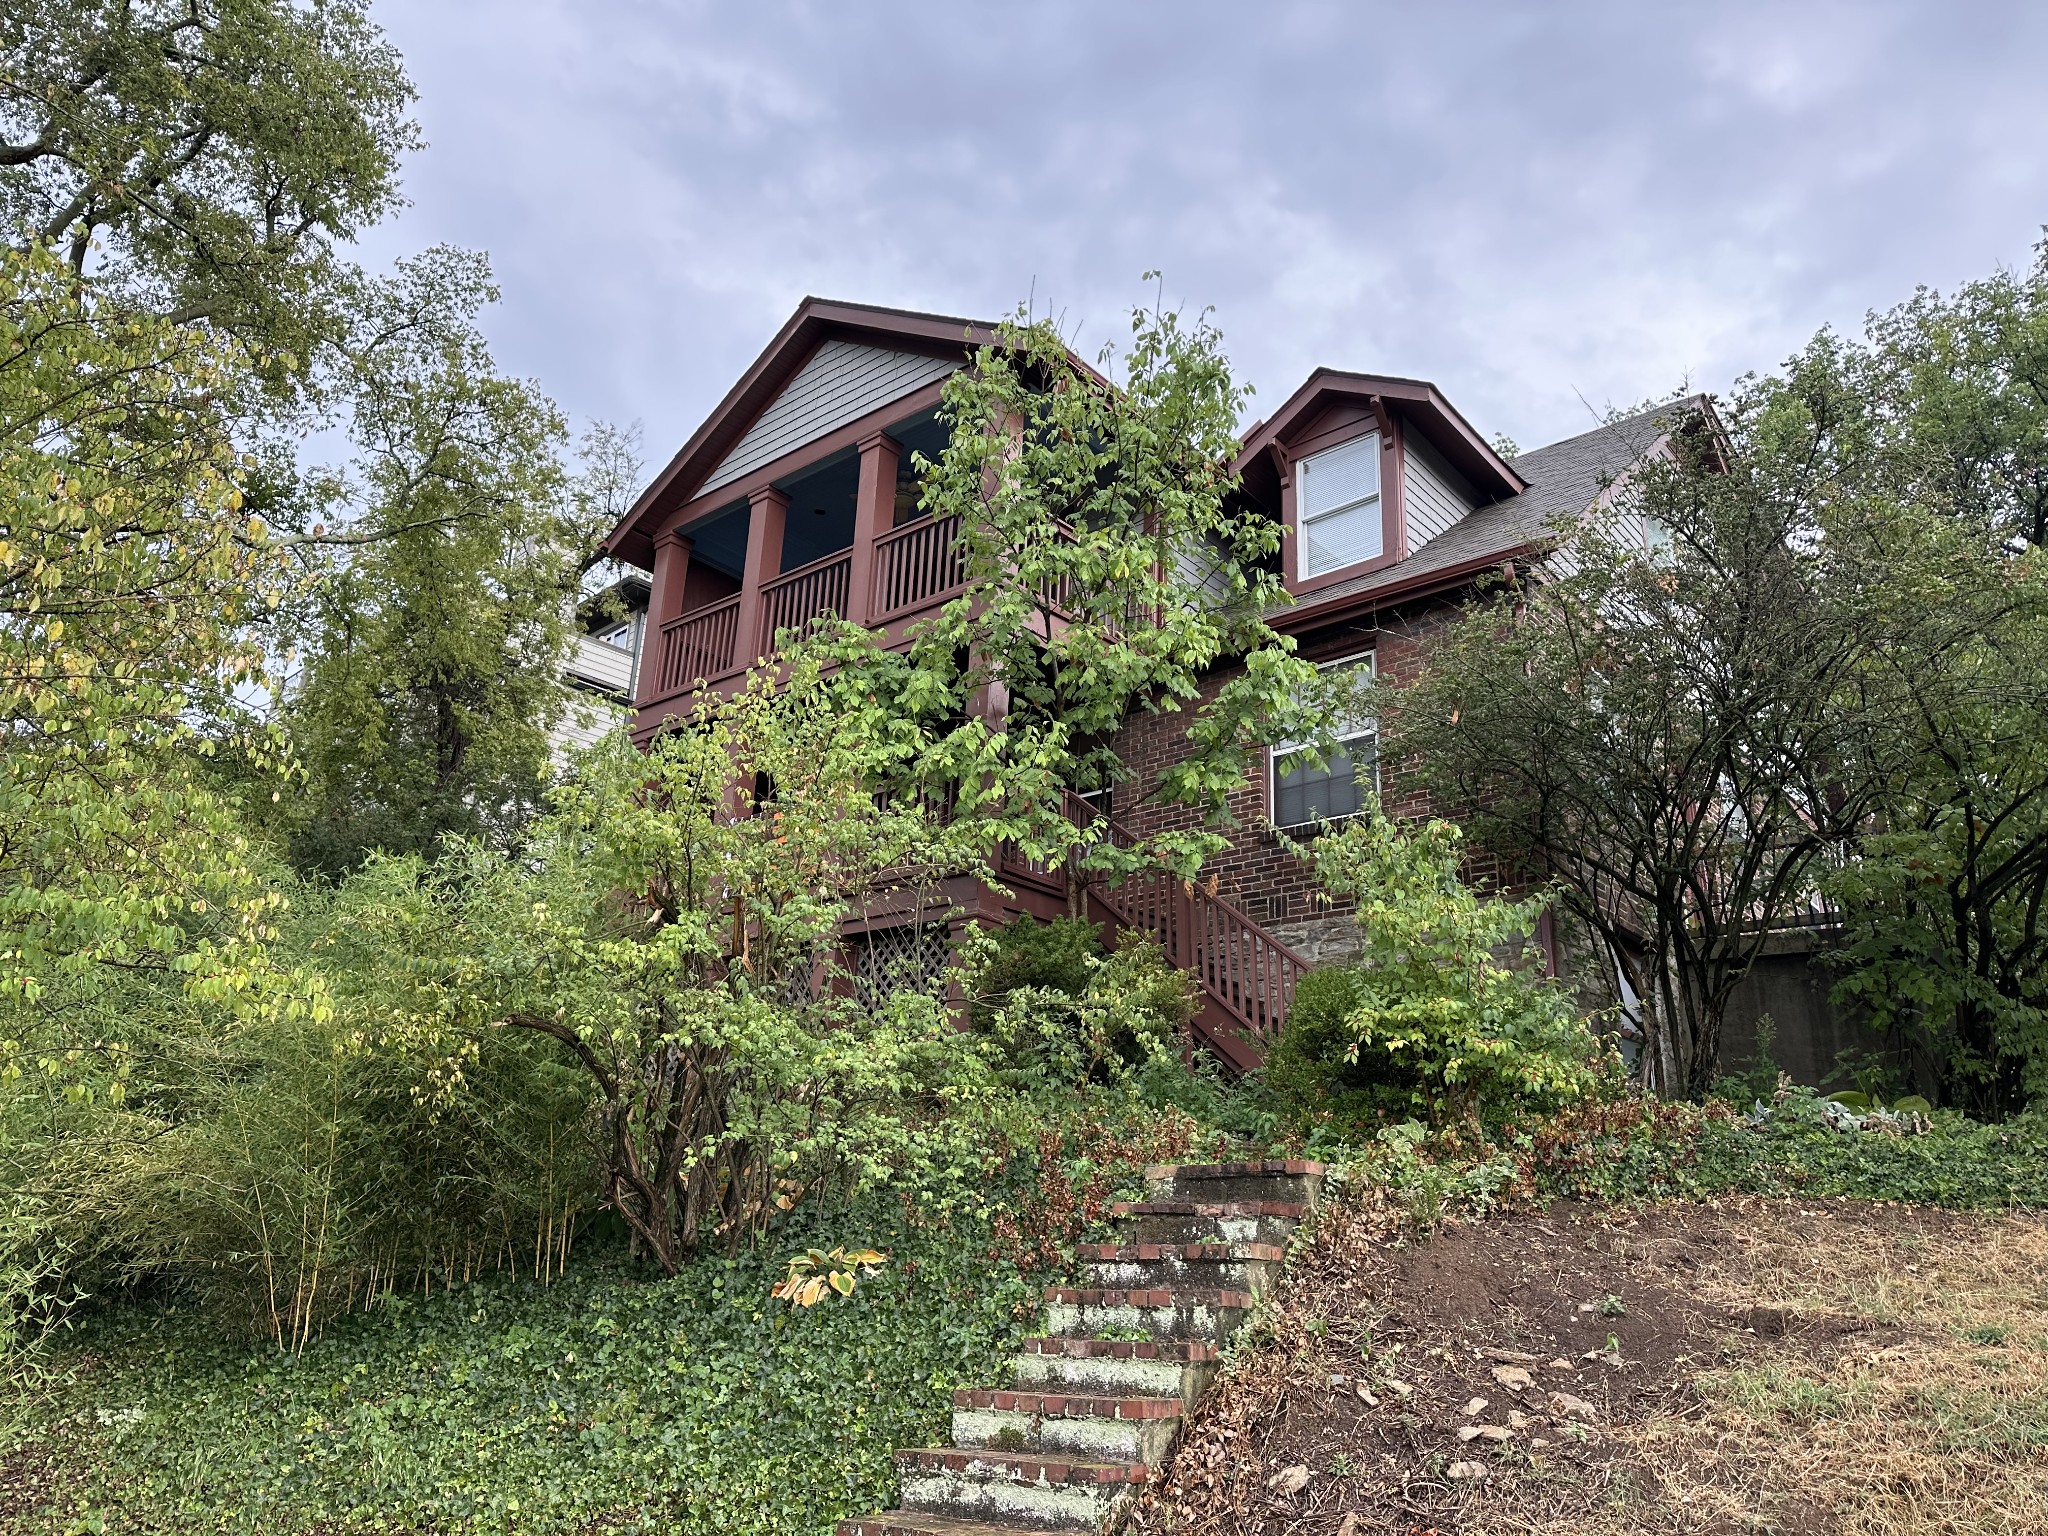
<point x="1289" y="1481"/>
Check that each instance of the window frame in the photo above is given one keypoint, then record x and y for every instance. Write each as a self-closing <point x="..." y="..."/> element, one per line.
<point x="1393" y="515"/>
<point x="1367" y="730"/>
<point x="1376" y="501"/>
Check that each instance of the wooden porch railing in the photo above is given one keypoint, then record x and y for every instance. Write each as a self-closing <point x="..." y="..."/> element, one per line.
<point x="793" y="600"/>
<point x="1246" y="971"/>
<point x="915" y="564"/>
<point x="703" y="644"/>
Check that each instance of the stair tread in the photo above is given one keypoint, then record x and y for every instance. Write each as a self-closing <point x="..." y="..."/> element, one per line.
<point x="1147" y="1296"/>
<point x="1187" y="1351"/>
<point x="1029" y="1466"/>
<point x="1286" y="1210"/>
<point x="1287" y="1167"/>
<point x="1067" y="1405"/>
<point x="1194" y="1253"/>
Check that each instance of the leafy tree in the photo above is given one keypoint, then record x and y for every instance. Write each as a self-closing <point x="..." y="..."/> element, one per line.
<point x="130" y="572"/>
<point x="204" y="157"/>
<point x="446" y="565"/>
<point x="1944" y="900"/>
<point x="688" y="958"/>
<point x="1444" y="1013"/>
<point x="1110" y="569"/>
<point x="1959" y="388"/>
<point x="1682" y="741"/>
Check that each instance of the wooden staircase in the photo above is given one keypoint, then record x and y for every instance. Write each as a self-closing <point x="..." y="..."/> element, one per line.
<point x="1096" y="1402"/>
<point x="1247" y="975"/>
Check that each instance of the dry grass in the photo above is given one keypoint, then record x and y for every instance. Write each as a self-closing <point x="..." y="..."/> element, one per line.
<point x="1777" y="1367"/>
<point x="1939" y="1425"/>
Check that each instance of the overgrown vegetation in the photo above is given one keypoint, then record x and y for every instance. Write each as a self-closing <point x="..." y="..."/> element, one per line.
<point x="517" y="1403"/>
<point x="1795" y="660"/>
<point x="1445" y="1015"/>
<point x="1059" y="1012"/>
<point x="397" y="1131"/>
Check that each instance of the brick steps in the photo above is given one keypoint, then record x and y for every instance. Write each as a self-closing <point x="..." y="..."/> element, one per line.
<point x="906" y="1522"/>
<point x="1099" y="1399"/>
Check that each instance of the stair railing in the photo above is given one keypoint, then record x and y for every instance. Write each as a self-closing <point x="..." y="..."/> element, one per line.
<point x="1250" y="973"/>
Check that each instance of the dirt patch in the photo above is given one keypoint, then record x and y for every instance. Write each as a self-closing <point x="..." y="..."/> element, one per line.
<point x="1805" y="1368"/>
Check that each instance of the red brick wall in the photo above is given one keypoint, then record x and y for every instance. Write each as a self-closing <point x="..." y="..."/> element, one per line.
<point x="1256" y="872"/>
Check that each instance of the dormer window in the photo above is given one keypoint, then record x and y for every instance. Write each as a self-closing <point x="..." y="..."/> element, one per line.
<point x="1337" y="493"/>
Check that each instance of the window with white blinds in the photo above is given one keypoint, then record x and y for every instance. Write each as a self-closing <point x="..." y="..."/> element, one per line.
<point x="1337" y="501"/>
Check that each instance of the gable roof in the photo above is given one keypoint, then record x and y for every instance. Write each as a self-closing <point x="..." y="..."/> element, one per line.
<point x="1563" y="480"/>
<point x="1416" y="399"/>
<point x="740" y="427"/>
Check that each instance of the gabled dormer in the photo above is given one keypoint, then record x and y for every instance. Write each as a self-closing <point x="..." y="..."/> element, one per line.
<point x="1363" y="471"/>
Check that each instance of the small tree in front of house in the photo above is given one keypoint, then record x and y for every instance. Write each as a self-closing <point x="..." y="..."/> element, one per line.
<point x="674" y="925"/>
<point x="1447" y="1013"/>
<point x="1111" y="570"/>
<point x="1681" y="740"/>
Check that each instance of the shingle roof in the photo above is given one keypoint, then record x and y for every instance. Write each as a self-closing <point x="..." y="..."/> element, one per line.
<point x="1565" y="479"/>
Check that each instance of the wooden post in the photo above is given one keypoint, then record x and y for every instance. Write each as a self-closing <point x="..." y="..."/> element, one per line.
<point x="874" y="511"/>
<point x="765" y="512"/>
<point x="665" y="602"/>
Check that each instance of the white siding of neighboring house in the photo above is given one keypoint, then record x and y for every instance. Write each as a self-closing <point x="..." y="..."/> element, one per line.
<point x="601" y="679"/>
<point x="842" y="382"/>
<point x="1435" y="495"/>
<point x="1617" y="513"/>
<point x="587" y="718"/>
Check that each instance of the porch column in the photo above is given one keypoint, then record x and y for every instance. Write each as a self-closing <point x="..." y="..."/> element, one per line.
<point x="665" y="602"/>
<point x="874" y="512"/>
<point x="765" y="511"/>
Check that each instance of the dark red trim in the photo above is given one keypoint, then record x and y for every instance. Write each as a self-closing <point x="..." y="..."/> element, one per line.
<point x="814" y="321"/>
<point x="1417" y="399"/>
<point x="804" y="454"/>
<point x="1308" y="616"/>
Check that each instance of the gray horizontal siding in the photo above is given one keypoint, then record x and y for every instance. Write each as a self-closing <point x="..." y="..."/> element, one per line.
<point x="1435" y="495"/>
<point x="843" y="381"/>
<point x="584" y="719"/>
<point x="600" y="665"/>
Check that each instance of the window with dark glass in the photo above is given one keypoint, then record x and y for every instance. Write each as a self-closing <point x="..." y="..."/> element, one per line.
<point x="1304" y="792"/>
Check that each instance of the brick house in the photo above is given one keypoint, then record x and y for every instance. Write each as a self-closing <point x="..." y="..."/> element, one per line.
<point x="795" y="497"/>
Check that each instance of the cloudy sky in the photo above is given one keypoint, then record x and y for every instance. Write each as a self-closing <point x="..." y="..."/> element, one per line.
<point x="1545" y="207"/>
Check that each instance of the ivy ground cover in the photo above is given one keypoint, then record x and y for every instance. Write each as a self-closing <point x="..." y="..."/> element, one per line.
<point x="604" y="1399"/>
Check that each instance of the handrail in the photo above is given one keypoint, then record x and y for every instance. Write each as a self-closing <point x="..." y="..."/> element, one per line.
<point x="1248" y="971"/>
<point x="793" y="599"/>
<point x="699" y="645"/>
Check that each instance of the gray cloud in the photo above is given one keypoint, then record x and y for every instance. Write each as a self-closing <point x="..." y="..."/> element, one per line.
<point x="1541" y="207"/>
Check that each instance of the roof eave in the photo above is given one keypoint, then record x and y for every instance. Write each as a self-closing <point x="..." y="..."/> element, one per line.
<point x="1430" y="583"/>
<point x="815" y="319"/>
<point x="1414" y="393"/>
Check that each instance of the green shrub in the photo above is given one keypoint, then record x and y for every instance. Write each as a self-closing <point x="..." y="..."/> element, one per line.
<point x="1310" y="1068"/>
<point x="1058" y="1011"/>
<point x="281" y="1166"/>
<point x="1446" y="1014"/>
<point x="1058" y="956"/>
